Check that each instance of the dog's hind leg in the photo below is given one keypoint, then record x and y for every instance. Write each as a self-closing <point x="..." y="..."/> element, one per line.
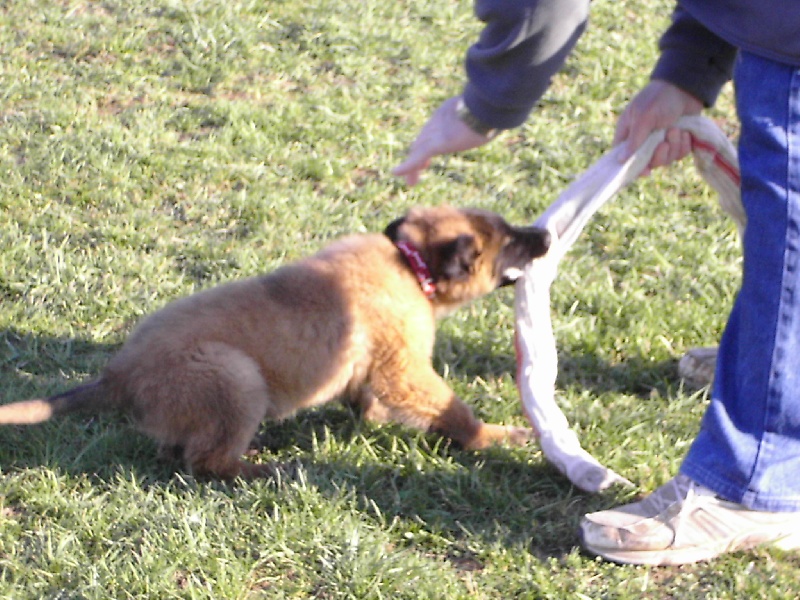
<point x="227" y="464"/>
<point x="211" y="408"/>
<point x="217" y="450"/>
<point x="371" y="408"/>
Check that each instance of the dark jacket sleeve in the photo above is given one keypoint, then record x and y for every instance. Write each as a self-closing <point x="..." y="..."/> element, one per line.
<point x="524" y="43"/>
<point x="694" y="59"/>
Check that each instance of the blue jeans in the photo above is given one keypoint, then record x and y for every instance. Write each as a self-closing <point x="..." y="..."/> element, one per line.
<point x="748" y="448"/>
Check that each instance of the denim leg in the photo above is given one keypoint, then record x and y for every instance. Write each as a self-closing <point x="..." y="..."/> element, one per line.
<point x="748" y="448"/>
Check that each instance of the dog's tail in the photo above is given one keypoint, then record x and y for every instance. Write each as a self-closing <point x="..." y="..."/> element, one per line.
<point x="91" y="396"/>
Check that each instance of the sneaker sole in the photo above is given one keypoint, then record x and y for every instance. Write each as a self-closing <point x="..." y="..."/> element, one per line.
<point x="685" y="556"/>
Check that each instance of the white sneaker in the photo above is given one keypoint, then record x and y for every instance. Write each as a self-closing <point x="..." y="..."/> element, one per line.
<point x="683" y="522"/>
<point x="697" y="366"/>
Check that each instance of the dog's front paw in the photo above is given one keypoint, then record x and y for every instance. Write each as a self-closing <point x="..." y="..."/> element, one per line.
<point x="519" y="436"/>
<point x="490" y="435"/>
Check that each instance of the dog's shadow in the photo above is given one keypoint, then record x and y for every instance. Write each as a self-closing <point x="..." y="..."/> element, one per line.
<point x="406" y="479"/>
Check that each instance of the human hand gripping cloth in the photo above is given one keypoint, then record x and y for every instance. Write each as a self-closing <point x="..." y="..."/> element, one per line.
<point x="537" y="361"/>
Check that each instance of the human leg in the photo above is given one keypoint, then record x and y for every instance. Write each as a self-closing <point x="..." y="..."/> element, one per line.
<point x="739" y="484"/>
<point x="748" y="449"/>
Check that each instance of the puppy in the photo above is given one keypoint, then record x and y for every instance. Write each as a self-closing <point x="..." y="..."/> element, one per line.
<point x="355" y="321"/>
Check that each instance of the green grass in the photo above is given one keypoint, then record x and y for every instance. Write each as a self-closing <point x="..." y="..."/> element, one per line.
<point x="150" y="149"/>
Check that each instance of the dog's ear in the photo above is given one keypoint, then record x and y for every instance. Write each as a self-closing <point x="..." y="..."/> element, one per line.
<point x="410" y="227"/>
<point x="457" y="258"/>
<point x="392" y="230"/>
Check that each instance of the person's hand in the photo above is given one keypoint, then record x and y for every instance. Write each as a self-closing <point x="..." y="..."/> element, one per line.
<point x="444" y="133"/>
<point x="658" y="106"/>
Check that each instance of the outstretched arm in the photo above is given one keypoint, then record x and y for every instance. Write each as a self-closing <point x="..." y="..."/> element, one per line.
<point x="523" y="44"/>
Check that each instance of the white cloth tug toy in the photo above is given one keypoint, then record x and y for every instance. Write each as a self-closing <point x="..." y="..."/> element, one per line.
<point x="537" y="362"/>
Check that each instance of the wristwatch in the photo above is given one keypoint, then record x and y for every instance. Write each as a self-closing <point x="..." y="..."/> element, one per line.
<point x="474" y="122"/>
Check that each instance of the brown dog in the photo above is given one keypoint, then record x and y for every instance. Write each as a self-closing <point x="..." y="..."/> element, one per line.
<point x="355" y="320"/>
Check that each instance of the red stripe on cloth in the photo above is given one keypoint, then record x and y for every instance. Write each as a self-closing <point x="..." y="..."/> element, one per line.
<point x="726" y="167"/>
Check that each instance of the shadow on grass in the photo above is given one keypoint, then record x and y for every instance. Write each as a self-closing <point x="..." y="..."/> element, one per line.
<point x="402" y="478"/>
<point x="636" y="375"/>
<point x="35" y="360"/>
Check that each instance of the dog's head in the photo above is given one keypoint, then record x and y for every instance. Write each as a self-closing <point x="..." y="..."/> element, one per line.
<point x="469" y="252"/>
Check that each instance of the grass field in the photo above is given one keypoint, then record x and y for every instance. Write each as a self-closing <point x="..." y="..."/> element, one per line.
<point x="150" y="149"/>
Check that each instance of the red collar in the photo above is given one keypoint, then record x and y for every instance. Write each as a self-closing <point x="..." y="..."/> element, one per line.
<point x="419" y="267"/>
